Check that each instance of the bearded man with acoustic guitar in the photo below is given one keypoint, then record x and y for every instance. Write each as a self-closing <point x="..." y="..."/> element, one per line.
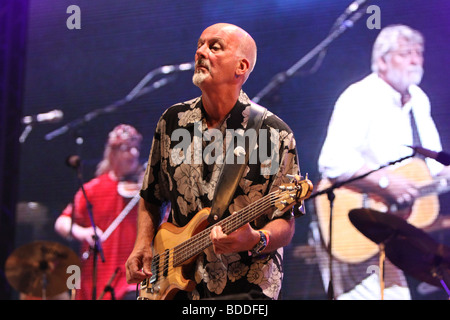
<point x="375" y="121"/>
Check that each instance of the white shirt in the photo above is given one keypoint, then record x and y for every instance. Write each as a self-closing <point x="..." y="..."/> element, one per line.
<point x="370" y="126"/>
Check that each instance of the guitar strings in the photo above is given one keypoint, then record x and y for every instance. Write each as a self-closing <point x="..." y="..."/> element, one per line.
<point x="229" y="223"/>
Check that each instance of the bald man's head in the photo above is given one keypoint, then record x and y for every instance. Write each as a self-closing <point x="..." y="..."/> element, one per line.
<point x="247" y="47"/>
<point x="244" y="45"/>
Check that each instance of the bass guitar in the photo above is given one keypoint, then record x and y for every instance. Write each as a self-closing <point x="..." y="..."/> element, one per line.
<point x="175" y="248"/>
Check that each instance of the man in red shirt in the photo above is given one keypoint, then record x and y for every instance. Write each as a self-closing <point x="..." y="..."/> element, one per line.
<point x="117" y="181"/>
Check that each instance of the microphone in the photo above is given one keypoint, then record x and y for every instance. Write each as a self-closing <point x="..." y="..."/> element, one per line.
<point x="441" y="157"/>
<point x="177" y="67"/>
<point x="341" y="21"/>
<point x="51" y="116"/>
<point x="159" y="71"/>
<point x="73" y="161"/>
<point x="354" y="6"/>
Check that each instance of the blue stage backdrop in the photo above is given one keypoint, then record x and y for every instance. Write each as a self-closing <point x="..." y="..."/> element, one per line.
<point x="79" y="71"/>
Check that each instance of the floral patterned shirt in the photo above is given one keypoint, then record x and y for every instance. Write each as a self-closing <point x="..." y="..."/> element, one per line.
<point x="183" y="170"/>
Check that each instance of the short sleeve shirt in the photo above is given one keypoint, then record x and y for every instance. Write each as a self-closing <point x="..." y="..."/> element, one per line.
<point x="183" y="169"/>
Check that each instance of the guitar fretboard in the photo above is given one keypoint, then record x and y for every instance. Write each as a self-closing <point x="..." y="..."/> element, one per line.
<point x="201" y="240"/>
<point x="438" y="186"/>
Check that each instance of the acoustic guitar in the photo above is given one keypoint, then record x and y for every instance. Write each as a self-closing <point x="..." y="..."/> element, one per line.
<point x="175" y="248"/>
<point x="348" y="243"/>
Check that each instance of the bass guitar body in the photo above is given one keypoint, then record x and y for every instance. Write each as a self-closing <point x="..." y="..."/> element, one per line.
<point x="169" y="276"/>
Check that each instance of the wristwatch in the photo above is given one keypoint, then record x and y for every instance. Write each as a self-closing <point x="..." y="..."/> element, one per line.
<point x="260" y="246"/>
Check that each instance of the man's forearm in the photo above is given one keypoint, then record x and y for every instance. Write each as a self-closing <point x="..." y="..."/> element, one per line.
<point x="281" y="232"/>
<point x="147" y="222"/>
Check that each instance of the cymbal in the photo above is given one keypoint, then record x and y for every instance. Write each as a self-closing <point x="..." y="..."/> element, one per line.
<point x="40" y="267"/>
<point x="409" y="248"/>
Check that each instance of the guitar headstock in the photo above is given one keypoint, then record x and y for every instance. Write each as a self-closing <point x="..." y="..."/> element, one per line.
<point x="298" y="190"/>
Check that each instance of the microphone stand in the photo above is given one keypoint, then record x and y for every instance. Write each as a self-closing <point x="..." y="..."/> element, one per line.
<point x="108" y="287"/>
<point x="25" y="133"/>
<point x="97" y="245"/>
<point x="331" y="196"/>
<point x="137" y="92"/>
<point x="338" y="29"/>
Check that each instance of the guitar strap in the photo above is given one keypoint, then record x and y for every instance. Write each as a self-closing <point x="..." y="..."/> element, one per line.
<point x="415" y="131"/>
<point x="232" y="170"/>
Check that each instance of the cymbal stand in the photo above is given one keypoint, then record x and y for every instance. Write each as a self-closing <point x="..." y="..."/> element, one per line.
<point x="44" y="287"/>
<point x="43" y="266"/>
<point x="382" y="259"/>
<point x="330" y="289"/>
<point x="381" y="263"/>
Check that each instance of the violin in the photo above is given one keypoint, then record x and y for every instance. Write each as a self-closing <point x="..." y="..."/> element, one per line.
<point x="130" y="185"/>
<point x="128" y="189"/>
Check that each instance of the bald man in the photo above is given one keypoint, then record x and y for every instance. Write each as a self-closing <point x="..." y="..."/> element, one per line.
<point x="248" y="260"/>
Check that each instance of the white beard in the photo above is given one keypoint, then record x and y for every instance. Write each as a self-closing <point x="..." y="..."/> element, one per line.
<point x="200" y="75"/>
<point x="403" y="79"/>
<point x="198" y="78"/>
